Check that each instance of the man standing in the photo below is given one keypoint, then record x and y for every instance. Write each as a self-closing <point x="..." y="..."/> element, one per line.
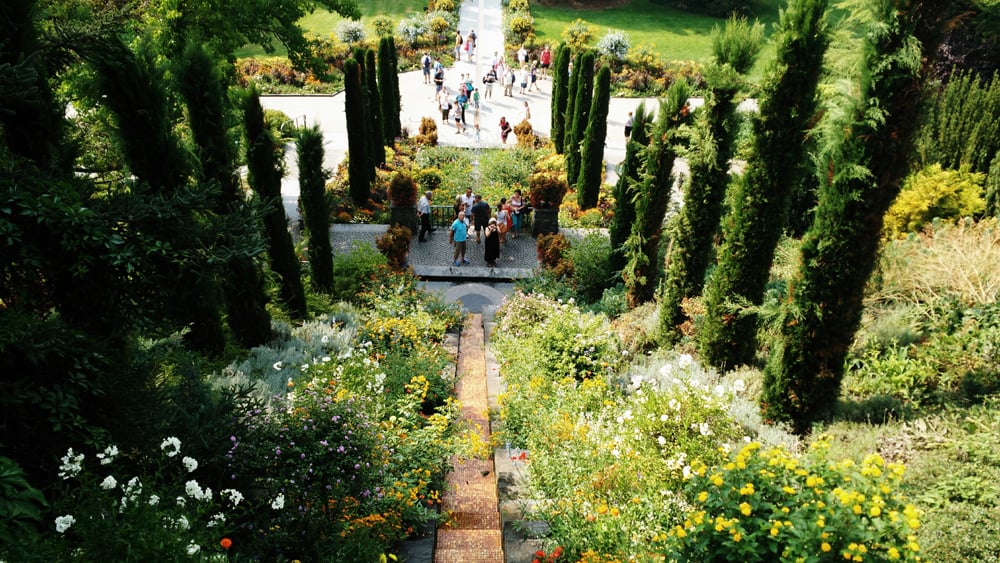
<point x="424" y="212"/>
<point x="546" y="60"/>
<point x="468" y="199"/>
<point x="628" y="126"/>
<point x="508" y="85"/>
<point x="425" y="65"/>
<point x="457" y="236"/>
<point x="489" y="80"/>
<point x="480" y="216"/>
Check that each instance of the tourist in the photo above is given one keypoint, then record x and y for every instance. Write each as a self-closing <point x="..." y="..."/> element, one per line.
<point x="424" y="212"/>
<point x="445" y="106"/>
<point x="517" y="208"/>
<point x="491" y="249"/>
<point x="472" y="37"/>
<point x="489" y="80"/>
<point x="628" y="126"/>
<point x="526" y="115"/>
<point x="475" y="98"/>
<point x="458" y="45"/>
<point x="508" y="85"/>
<point x="522" y="56"/>
<point x="546" y="60"/>
<point x="468" y="199"/>
<point x="480" y="217"/>
<point x="524" y="79"/>
<point x="534" y="78"/>
<point x="438" y="80"/>
<point x="505" y="129"/>
<point x="503" y="219"/>
<point x="425" y="65"/>
<point x="468" y="48"/>
<point x="459" y="231"/>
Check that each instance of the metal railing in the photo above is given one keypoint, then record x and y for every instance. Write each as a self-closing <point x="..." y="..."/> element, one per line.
<point x="443" y="215"/>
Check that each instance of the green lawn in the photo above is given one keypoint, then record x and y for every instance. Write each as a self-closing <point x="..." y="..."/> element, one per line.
<point x="674" y="34"/>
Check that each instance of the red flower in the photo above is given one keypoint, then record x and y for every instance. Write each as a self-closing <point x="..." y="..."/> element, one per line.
<point x="226" y="543"/>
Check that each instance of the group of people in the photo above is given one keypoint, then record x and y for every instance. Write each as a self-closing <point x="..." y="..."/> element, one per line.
<point x="473" y="215"/>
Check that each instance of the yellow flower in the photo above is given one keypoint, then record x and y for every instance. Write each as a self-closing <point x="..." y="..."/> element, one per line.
<point x="745" y="509"/>
<point x="824" y="547"/>
<point x="857" y="509"/>
<point x="874" y="511"/>
<point x="893" y="553"/>
<point x="774" y="531"/>
<point x="703" y="496"/>
<point x="737" y="537"/>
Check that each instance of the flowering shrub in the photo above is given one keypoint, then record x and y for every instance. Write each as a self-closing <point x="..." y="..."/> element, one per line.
<point x="614" y="45"/>
<point x="382" y="24"/>
<point x="350" y="31"/>
<point x="411" y="28"/>
<point x="577" y="34"/>
<point x="766" y="504"/>
<point x="106" y="508"/>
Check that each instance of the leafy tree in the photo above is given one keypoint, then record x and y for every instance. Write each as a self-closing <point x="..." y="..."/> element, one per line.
<point x="133" y="88"/>
<point x="227" y="25"/>
<point x="560" y="93"/>
<point x="582" y="99"/>
<point x="592" y="149"/>
<point x="652" y="198"/>
<point x="866" y="165"/>
<point x="374" y="110"/>
<point x="358" y="172"/>
<point x="205" y="95"/>
<point x="625" y="189"/>
<point x="312" y="186"/>
<point x="788" y="105"/>
<point x="264" y="171"/>
<point x="735" y="48"/>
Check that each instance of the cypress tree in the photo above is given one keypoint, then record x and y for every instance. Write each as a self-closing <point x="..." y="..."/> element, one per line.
<point x="866" y="164"/>
<point x="200" y="84"/>
<point x="625" y="190"/>
<point x="394" y="73"/>
<point x="734" y="48"/>
<point x="571" y="86"/>
<point x="583" y="98"/>
<point x="592" y="150"/>
<point x="788" y="104"/>
<point x="653" y="196"/>
<point x="374" y="111"/>
<point x="388" y="89"/>
<point x="560" y="93"/>
<point x="312" y="186"/>
<point x="264" y="171"/>
<point x="358" y="172"/>
<point x="134" y="89"/>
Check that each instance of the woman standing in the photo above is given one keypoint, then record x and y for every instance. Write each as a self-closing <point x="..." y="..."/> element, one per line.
<point x="517" y="211"/>
<point x="503" y="219"/>
<point x="492" y="246"/>
<point x="505" y="129"/>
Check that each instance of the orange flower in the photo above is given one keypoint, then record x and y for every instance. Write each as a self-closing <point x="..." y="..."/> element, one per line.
<point x="226" y="543"/>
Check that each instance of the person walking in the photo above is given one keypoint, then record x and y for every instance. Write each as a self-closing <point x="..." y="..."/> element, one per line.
<point x="546" y="60"/>
<point x="438" y="80"/>
<point x="524" y="79"/>
<point x="491" y="250"/>
<point x="534" y="78"/>
<point x="475" y="98"/>
<point x="458" y="45"/>
<point x="526" y="116"/>
<point x="424" y="212"/>
<point x="508" y="85"/>
<point x="489" y="80"/>
<point x="505" y="129"/>
<point x="457" y="236"/>
<point x="425" y="65"/>
<point x="445" y="106"/>
<point x="503" y="219"/>
<point x="628" y="126"/>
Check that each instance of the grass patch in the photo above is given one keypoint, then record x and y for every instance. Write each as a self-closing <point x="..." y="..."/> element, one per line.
<point x="675" y="34"/>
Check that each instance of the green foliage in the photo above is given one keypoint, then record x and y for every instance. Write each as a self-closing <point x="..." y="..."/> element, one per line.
<point x="593" y="139"/>
<point x="21" y="505"/>
<point x="312" y="187"/>
<point x="764" y="504"/>
<point x="359" y="172"/>
<point x="841" y="248"/>
<point x="383" y="25"/>
<point x="961" y="129"/>
<point x="554" y="255"/>
<point x="503" y="171"/>
<point x="520" y="26"/>
<point x="454" y="164"/>
<point x="738" y="44"/>
<point x="264" y="175"/>
<point x="625" y="189"/>
<point x="577" y="35"/>
<point x="353" y="270"/>
<point x="560" y="95"/>
<point x="641" y="249"/>
<point x="592" y="274"/>
<point x="580" y="113"/>
<point x="388" y="84"/>
<point x="993" y="187"/>
<point x="933" y="193"/>
<point x="374" y="107"/>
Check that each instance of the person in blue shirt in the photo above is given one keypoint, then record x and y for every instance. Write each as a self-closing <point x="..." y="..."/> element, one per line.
<point x="458" y="235"/>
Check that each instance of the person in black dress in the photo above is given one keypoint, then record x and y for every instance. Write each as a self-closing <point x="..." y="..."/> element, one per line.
<point x="492" y="246"/>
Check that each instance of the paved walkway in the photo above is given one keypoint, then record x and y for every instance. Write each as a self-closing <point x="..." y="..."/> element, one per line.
<point x="472" y="530"/>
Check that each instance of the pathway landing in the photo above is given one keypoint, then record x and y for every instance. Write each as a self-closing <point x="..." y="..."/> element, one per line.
<point x="472" y="532"/>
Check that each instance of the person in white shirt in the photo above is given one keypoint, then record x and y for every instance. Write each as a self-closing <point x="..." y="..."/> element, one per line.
<point x="522" y="55"/>
<point x="424" y="212"/>
<point x="468" y="199"/>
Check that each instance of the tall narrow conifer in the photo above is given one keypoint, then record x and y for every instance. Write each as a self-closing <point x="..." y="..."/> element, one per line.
<point x="588" y="186"/>
<point x="374" y="111"/>
<point x="312" y="187"/>
<point x="626" y="189"/>
<point x="583" y="98"/>
<point x="560" y="93"/>
<point x="358" y="171"/>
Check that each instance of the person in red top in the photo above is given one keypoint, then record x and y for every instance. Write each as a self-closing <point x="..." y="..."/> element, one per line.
<point x="546" y="60"/>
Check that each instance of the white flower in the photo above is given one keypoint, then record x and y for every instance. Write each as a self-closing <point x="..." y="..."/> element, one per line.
<point x="674" y="404"/>
<point x="326" y="359"/>
<point x="719" y="391"/>
<point x="72" y="464"/>
<point x="685" y="360"/>
<point x="704" y="429"/>
<point x="277" y="366"/>
<point x="218" y="518"/>
<point x="193" y="489"/>
<point x="64" y="522"/>
<point x="181" y="501"/>
<point x="664" y="417"/>
<point x="109" y="483"/>
<point x="108" y="455"/>
<point x="739" y="386"/>
<point x="279" y="502"/>
<point x="182" y="522"/>
<point x="173" y="443"/>
<point x="154" y="500"/>
<point x="686" y="471"/>
<point x="233" y="495"/>
<point x="190" y="463"/>
<point x="325" y="339"/>
<point x="661" y="440"/>
<point x="193" y="548"/>
<point x="616" y="452"/>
